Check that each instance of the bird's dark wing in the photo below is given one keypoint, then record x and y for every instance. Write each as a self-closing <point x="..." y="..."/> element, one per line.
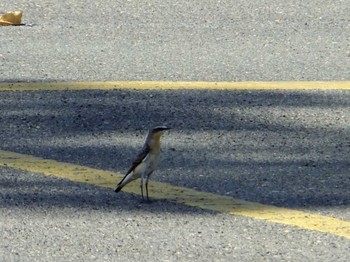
<point x="141" y="156"/>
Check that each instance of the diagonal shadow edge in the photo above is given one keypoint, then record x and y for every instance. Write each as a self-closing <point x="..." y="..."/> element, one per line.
<point x="181" y="195"/>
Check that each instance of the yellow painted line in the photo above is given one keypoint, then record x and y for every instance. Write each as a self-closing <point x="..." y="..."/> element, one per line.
<point x="168" y="85"/>
<point x="190" y="197"/>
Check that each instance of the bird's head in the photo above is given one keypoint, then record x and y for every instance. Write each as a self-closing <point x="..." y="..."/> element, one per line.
<point x="159" y="130"/>
<point x="154" y="135"/>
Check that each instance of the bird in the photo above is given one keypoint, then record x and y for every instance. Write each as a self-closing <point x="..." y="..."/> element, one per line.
<point x="146" y="161"/>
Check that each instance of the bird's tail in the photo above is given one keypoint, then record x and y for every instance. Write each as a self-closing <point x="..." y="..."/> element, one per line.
<point x="119" y="187"/>
<point x="127" y="178"/>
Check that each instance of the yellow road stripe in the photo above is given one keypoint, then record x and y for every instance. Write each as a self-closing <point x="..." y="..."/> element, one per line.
<point x="168" y="85"/>
<point x="176" y="194"/>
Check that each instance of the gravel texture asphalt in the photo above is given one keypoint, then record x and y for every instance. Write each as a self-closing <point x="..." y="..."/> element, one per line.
<point x="56" y="220"/>
<point x="177" y="40"/>
<point x="283" y="148"/>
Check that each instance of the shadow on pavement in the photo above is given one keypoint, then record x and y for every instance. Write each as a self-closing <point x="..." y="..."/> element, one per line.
<point x="275" y="147"/>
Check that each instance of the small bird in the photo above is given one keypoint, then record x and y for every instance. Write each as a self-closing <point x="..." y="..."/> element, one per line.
<point x="146" y="162"/>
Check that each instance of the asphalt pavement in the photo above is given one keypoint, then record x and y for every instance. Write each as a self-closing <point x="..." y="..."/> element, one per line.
<point x="283" y="148"/>
<point x="177" y="40"/>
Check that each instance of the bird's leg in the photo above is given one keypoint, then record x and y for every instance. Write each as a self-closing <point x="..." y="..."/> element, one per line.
<point x="147" y="177"/>
<point x="147" y="188"/>
<point x="141" y="186"/>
